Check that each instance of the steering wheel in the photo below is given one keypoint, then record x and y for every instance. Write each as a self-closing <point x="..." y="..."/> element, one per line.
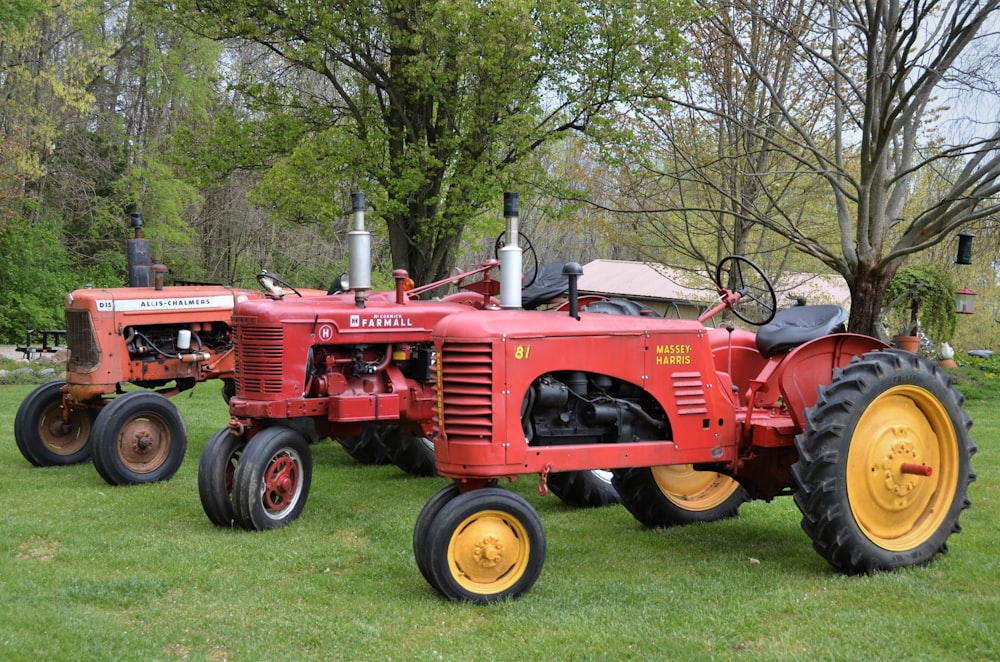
<point x="533" y="260"/>
<point x="757" y="303"/>
<point x="267" y="281"/>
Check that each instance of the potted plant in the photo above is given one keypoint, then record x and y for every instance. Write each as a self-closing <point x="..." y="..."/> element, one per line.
<point x="922" y="298"/>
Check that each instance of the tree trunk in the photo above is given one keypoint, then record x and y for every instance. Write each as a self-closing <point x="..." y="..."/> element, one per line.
<point x="868" y="288"/>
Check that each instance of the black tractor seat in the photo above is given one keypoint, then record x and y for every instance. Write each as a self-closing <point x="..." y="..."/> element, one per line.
<point x="550" y="283"/>
<point x="794" y="326"/>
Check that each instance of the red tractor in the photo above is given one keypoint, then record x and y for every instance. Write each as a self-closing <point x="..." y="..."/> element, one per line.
<point x="872" y="442"/>
<point x="147" y="335"/>
<point x="359" y="368"/>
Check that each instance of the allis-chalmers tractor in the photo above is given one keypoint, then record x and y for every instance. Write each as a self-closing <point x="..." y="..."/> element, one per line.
<point x="872" y="442"/>
<point x="358" y="369"/>
<point x="147" y="335"/>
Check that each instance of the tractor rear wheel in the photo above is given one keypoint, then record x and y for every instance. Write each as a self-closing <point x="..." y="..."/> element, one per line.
<point x="484" y="545"/>
<point x="671" y="495"/>
<point x="367" y="447"/>
<point x="272" y="479"/>
<point x="584" y="489"/>
<point x="216" y="471"/>
<point x="42" y="435"/>
<point x="884" y="464"/>
<point x="412" y="454"/>
<point x="139" y="437"/>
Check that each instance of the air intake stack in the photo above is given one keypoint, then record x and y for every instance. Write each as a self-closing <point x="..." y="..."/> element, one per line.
<point x="510" y="255"/>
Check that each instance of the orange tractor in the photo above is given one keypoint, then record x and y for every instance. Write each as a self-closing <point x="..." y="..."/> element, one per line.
<point x="872" y="442"/>
<point x="147" y="335"/>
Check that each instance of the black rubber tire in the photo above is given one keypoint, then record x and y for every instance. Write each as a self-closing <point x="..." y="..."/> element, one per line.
<point x="584" y="489"/>
<point x="863" y="513"/>
<point x="665" y="496"/>
<point x="216" y="472"/>
<point x="272" y="479"/>
<point x="414" y="455"/>
<point x="139" y="437"/>
<point x="367" y="447"/>
<point x="39" y="433"/>
<point x="422" y="529"/>
<point x="485" y="545"/>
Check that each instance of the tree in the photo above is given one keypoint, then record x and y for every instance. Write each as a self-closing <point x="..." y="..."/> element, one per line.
<point x="853" y="96"/>
<point x="432" y="105"/>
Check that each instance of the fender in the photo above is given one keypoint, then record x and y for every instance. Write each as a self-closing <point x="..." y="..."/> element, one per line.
<point x="797" y="375"/>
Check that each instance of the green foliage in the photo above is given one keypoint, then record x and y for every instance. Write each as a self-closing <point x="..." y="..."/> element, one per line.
<point x="979" y="378"/>
<point x="923" y="296"/>
<point x="35" y="283"/>
<point x="430" y="106"/>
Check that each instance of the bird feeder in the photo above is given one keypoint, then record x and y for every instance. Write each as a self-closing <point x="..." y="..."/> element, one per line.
<point x="964" y="301"/>
<point x="964" y="248"/>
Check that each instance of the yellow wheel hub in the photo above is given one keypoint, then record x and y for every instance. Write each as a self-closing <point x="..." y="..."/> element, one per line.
<point x="902" y="468"/>
<point x="693" y="490"/>
<point x="488" y="552"/>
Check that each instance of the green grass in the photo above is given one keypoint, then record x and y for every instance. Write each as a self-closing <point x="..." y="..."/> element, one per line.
<point x="92" y="572"/>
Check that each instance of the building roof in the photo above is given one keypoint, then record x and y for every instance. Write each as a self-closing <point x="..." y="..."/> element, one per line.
<point x="650" y="280"/>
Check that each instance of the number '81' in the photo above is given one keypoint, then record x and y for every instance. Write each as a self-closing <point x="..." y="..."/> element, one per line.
<point x="522" y="352"/>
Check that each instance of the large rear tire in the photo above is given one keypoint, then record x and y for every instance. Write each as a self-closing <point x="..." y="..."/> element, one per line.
<point x="367" y="447"/>
<point x="216" y="471"/>
<point x="484" y="545"/>
<point x="272" y="479"/>
<point x="884" y="464"/>
<point x="139" y="437"/>
<point x="672" y="495"/>
<point x="41" y="433"/>
<point x="412" y="454"/>
<point x="584" y="489"/>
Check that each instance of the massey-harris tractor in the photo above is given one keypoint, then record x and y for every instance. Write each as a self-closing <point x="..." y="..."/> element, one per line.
<point x="360" y="370"/>
<point x="872" y="442"/>
<point x="147" y="335"/>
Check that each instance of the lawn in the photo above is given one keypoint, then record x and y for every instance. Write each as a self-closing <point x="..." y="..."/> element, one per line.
<point x="92" y="572"/>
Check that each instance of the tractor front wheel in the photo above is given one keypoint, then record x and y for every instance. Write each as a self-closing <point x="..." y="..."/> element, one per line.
<point x="139" y="437"/>
<point x="44" y="438"/>
<point x="272" y="479"/>
<point x="485" y="545"/>
<point x="422" y="529"/>
<point x="672" y="495"/>
<point x="884" y="464"/>
<point x="216" y="471"/>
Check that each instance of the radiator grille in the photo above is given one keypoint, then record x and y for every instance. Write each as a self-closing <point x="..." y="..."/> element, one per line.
<point x="259" y="359"/>
<point x="84" y="353"/>
<point x="467" y="391"/>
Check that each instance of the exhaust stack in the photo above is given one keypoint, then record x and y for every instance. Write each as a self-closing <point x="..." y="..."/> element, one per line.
<point x="359" y="246"/>
<point x="510" y="256"/>
<point x="140" y="261"/>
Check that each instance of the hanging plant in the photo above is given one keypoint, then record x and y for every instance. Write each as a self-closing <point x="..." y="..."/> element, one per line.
<point x="922" y="297"/>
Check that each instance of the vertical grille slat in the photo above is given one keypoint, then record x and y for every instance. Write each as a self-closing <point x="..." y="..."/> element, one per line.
<point x="259" y="359"/>
<point x="467" y="401"/>
<point x="84" y="352"/>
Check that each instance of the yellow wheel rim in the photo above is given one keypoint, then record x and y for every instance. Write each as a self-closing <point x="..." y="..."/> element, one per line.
<point x="693" y="490"/>
<point x="897" y="506"/>
<point x="488" y="552"/>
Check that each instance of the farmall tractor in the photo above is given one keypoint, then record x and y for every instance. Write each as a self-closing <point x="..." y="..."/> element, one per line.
<point x="147" y="335"/>
<point x="361" y="370"/>
<point x="872" y="442"/>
